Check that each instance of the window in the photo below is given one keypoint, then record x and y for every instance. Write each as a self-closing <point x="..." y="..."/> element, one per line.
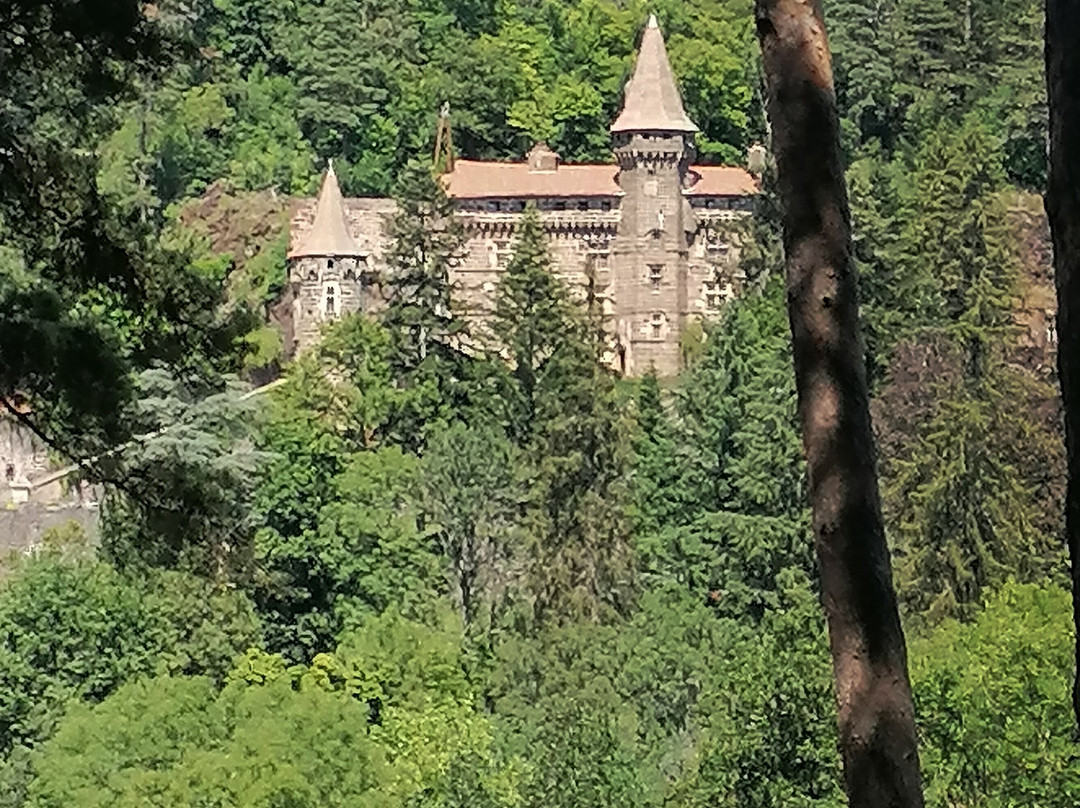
<point x="330" y="300"/>
<point x="560" y="205"/>
<point x="715" y="244"/>
<point x="330" y="263"/>
<point x="605" y="205"/>
<point x="713" y="296"/>
<point x="583" y="204"/>
<point x="656" y="272"/>
<point x="657" y="325"/>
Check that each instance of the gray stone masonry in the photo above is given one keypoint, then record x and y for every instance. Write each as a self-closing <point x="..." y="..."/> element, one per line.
<point x="651" y="241"/>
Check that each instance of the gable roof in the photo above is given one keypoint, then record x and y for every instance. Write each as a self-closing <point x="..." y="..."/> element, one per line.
<point x="329" y="233"/>
<point x="652" y="102"/>
<point x="474" y="179"/>
<point x="720" y="181"/>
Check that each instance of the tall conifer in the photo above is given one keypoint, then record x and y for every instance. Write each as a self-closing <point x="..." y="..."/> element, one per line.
<point x="563" y="410"/>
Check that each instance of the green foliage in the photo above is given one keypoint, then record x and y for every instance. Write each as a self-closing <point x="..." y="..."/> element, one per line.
<point x="75" y="628"/>
<point x="187" y="480"/>
<point x="960" y="494"/>
<point x="343" y="534"/>
<point x="501" y="580"/>
<point x="737" y="407"/>
<point x="769" y="738"/>
<point x="386" y="721"/>
<point x="174" y="742"/>
<point x="426" y="333"/>
<point x="992" y="702"/>
<point x="563" y="412"/>
<point x="532" y="317"/>
<point x="471" y="494"/>
<point x="904" y="66"/>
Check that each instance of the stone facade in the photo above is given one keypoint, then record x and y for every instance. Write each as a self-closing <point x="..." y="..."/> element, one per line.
<point x="651" y="238"/>
<point x="23" y="458"/>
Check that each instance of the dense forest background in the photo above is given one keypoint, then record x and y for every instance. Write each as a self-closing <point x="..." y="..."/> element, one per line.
<point x="413" y="576"/>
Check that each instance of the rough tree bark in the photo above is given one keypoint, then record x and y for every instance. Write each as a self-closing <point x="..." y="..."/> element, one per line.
<point x="876" y="720"/>
<point x="1063" y="208"/>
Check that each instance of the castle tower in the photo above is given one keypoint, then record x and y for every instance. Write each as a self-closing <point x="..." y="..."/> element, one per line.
<point x="653" y="140"/>
<point x="326" y="267"/>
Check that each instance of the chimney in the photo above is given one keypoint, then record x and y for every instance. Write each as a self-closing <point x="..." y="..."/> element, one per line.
<point x="755" y="159"/>
<point x="541" y="158"/>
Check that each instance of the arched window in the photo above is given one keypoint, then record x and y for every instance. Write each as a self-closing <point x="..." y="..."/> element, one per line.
<point x="329" y="263"/>
<point x="330" y="300"/>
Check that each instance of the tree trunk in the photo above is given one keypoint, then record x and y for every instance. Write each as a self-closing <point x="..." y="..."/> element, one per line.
<point x="1063" y="208"/>
<point x="876" y="718"/>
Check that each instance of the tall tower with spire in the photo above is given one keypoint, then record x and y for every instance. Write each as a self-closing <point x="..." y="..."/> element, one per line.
<point x="654" y="148"/>
<point x="326" y="268"/>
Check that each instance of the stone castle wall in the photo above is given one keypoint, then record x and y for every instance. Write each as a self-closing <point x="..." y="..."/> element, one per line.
<point x="698" y="267"/>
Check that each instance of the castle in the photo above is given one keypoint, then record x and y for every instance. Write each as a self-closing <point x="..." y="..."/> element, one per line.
<point x="653" y="237"/>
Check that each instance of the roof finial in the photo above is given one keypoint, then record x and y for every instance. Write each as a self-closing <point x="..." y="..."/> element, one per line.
<point x="652" y="22"/>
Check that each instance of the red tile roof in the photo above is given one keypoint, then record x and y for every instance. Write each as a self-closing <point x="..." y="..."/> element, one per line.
<point x="473" y="179"/>
<point x="721" y="181"/>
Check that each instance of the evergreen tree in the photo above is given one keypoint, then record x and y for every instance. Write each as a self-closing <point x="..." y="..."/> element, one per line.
<point x="426" y="335"/>
<point x="660" y="493"/>
<point x="859" y="38"/>
<point x="961" y="493"/>
<point x="533" y="318"/>
<point x="887" y="304"/>
<point x="738" y="409"/>
<point x="966" y="516"/>
<point x="565" y="414"/>
<point x="955" y="244"/>
<point x="187" y="481"/>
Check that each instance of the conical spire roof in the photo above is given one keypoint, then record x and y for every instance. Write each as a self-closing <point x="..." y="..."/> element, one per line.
<point x="652" y="101"/>
<point x="329" y="233"/>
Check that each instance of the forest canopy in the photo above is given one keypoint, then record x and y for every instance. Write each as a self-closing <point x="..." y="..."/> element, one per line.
<point x="411" y="574"/>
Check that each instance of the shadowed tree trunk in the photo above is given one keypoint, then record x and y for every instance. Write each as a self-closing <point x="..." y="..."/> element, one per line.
<point x="1063" y="207"/>
<point x="877" y="726"/>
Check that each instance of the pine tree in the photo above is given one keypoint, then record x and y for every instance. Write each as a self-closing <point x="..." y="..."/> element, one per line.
<point x="565" y="414"/>
<point x="956" y="246"/>
<point x="887" y="304"/>
<point x="865" y="80"/>
<point x="533" y="320"/>
<point x="967" y="516"/>
<point x="737" y="407"/>
<point x="962" y="496"/>
<point x="426" y="335"/>
<point x="661" y="495"/>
